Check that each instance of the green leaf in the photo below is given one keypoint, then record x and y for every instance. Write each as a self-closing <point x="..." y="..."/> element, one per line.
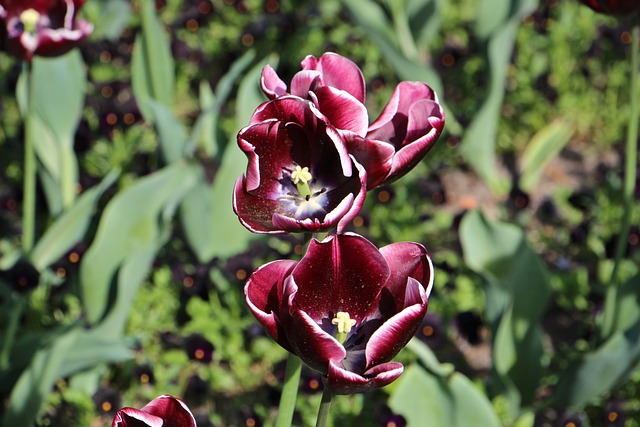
<point x="499" y="252"/>
<point x="225" y="224"/>
<point x="134" y="225"/>
<point x="70" y="228"/>
<point x="544" y="145"/>
<point x="152" y="67"/>
<point x="479" y="141"/>
<point x="625" y="309"/>
<point x="92" y="348"/>
<point x="600" y="371"/>
<point x="109" y="17"/>
<point x="172" y="134"/>
<point x="452" y="401"/>
<point x="490" y="15"/>
<point x="36" y="381"/>
<point x="52" y="123"/>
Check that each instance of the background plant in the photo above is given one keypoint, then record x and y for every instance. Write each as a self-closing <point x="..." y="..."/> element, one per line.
<point x="146" y="266"/>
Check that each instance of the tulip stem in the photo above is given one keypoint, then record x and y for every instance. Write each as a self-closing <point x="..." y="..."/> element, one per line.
<point x="289" y="391"/>
<point x="630" y="172"/>
<point x="29" y="180"/>
<point x="325" y="407"/>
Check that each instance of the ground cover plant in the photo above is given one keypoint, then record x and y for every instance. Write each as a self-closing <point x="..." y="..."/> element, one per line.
<point x="140" y="253"/>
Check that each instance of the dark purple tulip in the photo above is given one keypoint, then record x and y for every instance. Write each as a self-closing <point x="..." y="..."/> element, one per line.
<point x="346" y="309"/>
<point x="395" y="142"/>
<point x="614" y="7"/>
<point x="163" y="411"/>
<point x="41" y="27"/>
<point x="300" y="176"/>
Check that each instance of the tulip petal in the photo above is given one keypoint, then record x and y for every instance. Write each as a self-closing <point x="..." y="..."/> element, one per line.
<point x="163" y="411"/>
<point x="339" y="72"/>
<point x="174" y="411"/>
<point x="396" y="332"/>
<point x="375" y="156"/>
<point x="304" y="82"/>
<point x="254" y="212"/>
<point x="344" y="272"/>
<point x="343" y="110"/>
<point x="314" y="346"/>
<point x="406" y="259"/>
<point x="271" y="84"/>
<point x="131" y="417"/>
<point x="341" y="381"/>
<point x="426" y="121"/>
<point x="264" y="293"/>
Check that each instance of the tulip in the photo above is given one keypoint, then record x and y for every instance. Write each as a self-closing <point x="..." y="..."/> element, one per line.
<point x="614" y="7"/>
<point x="346" y="309"/>
<point x="163" y="411"/>
<point x="39" y="27"/>
<point x="389" y="147"/>
<point x="300" y="176"/>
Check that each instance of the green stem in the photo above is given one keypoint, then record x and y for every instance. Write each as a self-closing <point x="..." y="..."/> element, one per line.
<point x="630" y="170"/>
<point x="325" y="407"/>
<point x="10" y="333"/>
<point x="29" y="181"/>
<point x="289" y="391"/>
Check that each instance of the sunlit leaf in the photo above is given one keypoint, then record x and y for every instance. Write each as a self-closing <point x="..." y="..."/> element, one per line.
<point x="152" y="68"/>
<point x="69" y="228"/>
<point x="544" y="145"/>
<point x="499" y="252"/>
<point x="134" y="225"/>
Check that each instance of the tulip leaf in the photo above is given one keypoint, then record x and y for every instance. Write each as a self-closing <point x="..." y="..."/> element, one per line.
<point x="53" y="124"/>
<point x="227" y="227"/>
<point x="544" y="145"/>
<point x="172" y="134"/>
<point x="445" y="401"/>
<point x="500" y="253"/>
<point x="623" y="310"/>
<point x="109" y="17"/>
<point x="69" y="228"/>
<point x="74" y="350"/>
<point x="152" y="67"/>
<point x="600" y="371"/>
<point x="479" y="141"/>
<point x="134" y="225"/>
<point x="35" y="382"/>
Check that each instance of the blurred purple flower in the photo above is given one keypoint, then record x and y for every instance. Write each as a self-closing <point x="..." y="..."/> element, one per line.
<point x="41" y="27"/>
<point x="346" y="308"/>
<point x="163" y="411"/>
<point x="389" y="147"/>
<point x="614" y="7"/>
<point x="300" y="176"/>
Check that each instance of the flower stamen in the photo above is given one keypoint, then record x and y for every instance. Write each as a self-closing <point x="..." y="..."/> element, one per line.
<point x="344" y="322"/>
<point x="301" y="178"/>
<point x="29" y="19"/>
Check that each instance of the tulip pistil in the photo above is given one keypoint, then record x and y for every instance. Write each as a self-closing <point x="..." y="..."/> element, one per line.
<point x="301" y="178"/>
<point x="29" y="19"/>
<point x="345" y="323"/>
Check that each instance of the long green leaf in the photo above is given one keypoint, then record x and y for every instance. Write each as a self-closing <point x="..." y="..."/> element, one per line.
<point x="69" y="228"/>
<point x="544" y="145"/>
<point x="499" y="252"/>
<point x="36" y="381"/>
<point x="133" y="226"/>
<point x="152" y="67"/>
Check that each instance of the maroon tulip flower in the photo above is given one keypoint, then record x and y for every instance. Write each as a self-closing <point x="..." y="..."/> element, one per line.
<point x="346" y="309"/>
<point x="300" y="176"/>
<point x="395" y="142"/>
<point x="41" y="27"/>
<point x="614" y="7"/>
<point x="163" y="411"/>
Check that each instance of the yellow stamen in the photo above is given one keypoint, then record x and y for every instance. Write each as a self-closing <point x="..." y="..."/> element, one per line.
<point x="301" y="178"/>
<point x="29" y="19"/>
<point x="344" y="322"/>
